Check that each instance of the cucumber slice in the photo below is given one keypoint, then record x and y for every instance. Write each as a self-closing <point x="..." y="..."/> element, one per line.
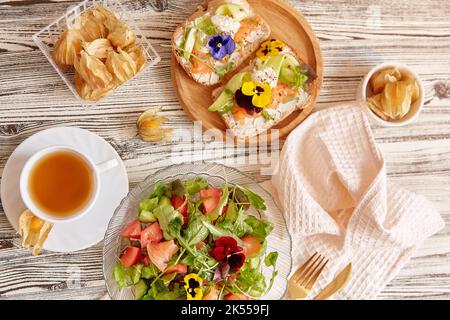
<point x="233" y="10"/>
<point x="199" y="46"/>
<point x="140" y="289"/>
<point x="189" y="43"/>
<point x="146" y="217"/>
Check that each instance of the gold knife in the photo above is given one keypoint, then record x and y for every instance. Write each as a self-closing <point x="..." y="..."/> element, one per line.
<point x="337" y="284"/>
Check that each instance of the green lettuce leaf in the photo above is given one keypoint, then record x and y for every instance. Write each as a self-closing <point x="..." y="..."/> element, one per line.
<point x="260" y="228"/>
<point x="127" y="276"/>
<point x="195" y="185"/>
<point x="170" y="220"/>
<point x="254" y="199"/>
<point x="158" y="191"/>
<point x="148" y="204"/>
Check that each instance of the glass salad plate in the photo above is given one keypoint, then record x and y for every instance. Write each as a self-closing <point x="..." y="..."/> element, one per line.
<point x="216" y="175"/>
<point x="46" y="38"/>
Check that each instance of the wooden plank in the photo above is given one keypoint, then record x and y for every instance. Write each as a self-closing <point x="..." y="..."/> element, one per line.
<point x="354" y="35"/>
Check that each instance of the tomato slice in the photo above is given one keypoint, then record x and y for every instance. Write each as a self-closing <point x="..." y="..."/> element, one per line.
<point x="130" y="256"/>
<point x="133" y="230"/>
<point x="235" y="296"/>
<point x="210" y="198"/>
<point x="152" y="233"/>
<point x="251" y="246"/>
<point x="178" y="268"/>
<point x="179" y="204"/>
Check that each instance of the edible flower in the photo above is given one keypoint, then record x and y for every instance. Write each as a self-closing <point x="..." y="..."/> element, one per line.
<point x="270" y="48"/>
<point x="220" y="46"/>
<point x="227" y="252"/>
<point x="193" y="286"/>
<point x="260" y="92"/>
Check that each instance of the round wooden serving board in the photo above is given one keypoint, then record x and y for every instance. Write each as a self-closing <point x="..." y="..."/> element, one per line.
<point x="288" y="25"/>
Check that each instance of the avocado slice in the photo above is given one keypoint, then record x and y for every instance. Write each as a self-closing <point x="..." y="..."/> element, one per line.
<point x="237" y="81"/>
<point x="189" y="43"/>
<point x="230" y="89"/>
<point x="223" y="100"/>
<point x="140" y="289"/>
<point x="233" y="10"/>
<point x="275" y="63"/>
<point x="146" y="217"/>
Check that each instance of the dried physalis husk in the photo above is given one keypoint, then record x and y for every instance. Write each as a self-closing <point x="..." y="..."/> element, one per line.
<point x="149" y="127"/>
<point x="121" y="65"/>
<point x="396" y="99"/>
<point x="87" y="93"/>
<point x="67" y="47"/>
<point x="137" y="53"/>
<point x="34" y="231"/>
<point x="375" y="105"/>
<point x="91" y="27"/>
<point x="104" y="15"/>
<point x="381" y="78"/>
<point x="415" y="90"/>
<point x="98" y="48"/>
<point x="120" y="35"/>
<point x="93" y="71"/>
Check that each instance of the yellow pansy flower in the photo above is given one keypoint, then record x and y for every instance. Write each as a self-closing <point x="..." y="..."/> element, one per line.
<point x="270" y="48"/>
<point x="193" y="287"/>
<point x="261" y="93"/>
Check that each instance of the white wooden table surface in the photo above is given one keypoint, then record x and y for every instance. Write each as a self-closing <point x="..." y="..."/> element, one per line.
<point x="354" y="35"/>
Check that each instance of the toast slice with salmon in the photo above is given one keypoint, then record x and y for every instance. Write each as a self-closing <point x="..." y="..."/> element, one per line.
<point x="217" y="39"/>
<point x="275" y="84"/>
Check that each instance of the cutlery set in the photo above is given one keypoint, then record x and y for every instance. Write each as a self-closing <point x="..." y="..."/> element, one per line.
<point x="303" y="280"/>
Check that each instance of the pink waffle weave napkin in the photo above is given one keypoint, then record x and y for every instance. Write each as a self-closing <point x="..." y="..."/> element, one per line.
<point x="331" y="182"/>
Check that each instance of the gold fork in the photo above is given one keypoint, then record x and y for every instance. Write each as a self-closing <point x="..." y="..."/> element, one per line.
<point x="304" y="278"/>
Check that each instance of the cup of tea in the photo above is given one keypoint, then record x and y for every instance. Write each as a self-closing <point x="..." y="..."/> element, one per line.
<point x="60" y="184"/>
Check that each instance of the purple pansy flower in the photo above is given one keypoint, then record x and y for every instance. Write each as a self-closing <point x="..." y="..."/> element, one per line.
<point x="220" y="46"/>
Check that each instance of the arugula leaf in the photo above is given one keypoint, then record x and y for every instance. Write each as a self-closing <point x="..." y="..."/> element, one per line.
<point x="158" y="191"/>
<point x="255" y="200"/>
<point x="266" y="115"/>
<point x="218" y="232"/>
<point x="170" y="220"/>
<point x="195" y="185"/>
<point x="196" y="231"/>
<point x="239" y="226"/>
<point x="232" y="211"/>
<point x="148" y="204"/>
<point x="271" y="259"/>
<point x="260" y="228"/>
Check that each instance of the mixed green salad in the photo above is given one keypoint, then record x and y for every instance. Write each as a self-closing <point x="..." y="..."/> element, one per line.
<point x="195" y="241"/>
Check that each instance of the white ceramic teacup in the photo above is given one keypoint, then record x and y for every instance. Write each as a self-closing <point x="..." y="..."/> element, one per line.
<point x="364" y="92"/>
<point x="96" y="170"/>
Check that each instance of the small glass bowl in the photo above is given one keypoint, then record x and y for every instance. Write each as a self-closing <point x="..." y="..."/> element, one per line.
<point x="46" y="38"/>
<point x="216" y="174"/>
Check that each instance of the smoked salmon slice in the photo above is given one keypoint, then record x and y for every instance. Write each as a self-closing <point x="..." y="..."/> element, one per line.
<point x="161" y="253"/>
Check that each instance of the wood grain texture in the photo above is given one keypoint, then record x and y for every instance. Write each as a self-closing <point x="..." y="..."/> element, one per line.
<point x="354" y="35"/>
<point x="287" y="25"/>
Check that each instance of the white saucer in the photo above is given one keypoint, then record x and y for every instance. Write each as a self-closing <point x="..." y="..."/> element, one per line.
<point x="89" y="229"/>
